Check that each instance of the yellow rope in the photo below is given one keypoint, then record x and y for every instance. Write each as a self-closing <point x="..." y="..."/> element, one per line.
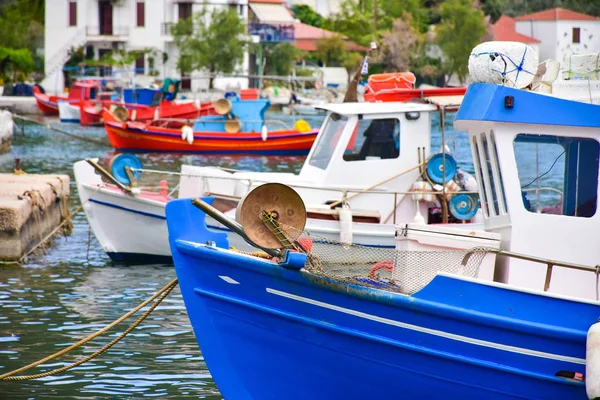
<point x="260" y="254"/>
<point x="162" y="293"/>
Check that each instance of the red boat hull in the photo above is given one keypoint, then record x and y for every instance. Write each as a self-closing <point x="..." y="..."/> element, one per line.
<point x="90" y="113"/>
<point x="47" y="104"/>
<point x="137" y="136"/>
<point x="168" y="109"/>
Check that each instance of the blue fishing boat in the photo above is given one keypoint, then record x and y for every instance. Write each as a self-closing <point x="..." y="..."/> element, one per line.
<point x="300" y="326"/>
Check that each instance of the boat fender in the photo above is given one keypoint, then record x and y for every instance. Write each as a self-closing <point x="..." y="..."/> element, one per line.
<point x="592" y="361"/>
<point x="190" y="136"/>
<point x="422" y="191"/>
<point x="156" y="115"/>
<point x="186" y="132"/>
<point x="164" y="188"/>
<point x="264" y="133"/>
<point x="345" y="225"/>
<point x="134" y="114"/>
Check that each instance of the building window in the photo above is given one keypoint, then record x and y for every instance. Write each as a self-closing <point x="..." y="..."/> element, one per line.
<point x="576" y="35"/>
<point x="185" y="10"/>
<point x="374" y="139"/>
<point x="72" y="13"/>
<point x="141" y="14"/>
<point x="558" y="174"/>
<point x="139" y="65"/>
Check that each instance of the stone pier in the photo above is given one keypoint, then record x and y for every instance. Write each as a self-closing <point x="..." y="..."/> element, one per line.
<point x="31" y="207"/>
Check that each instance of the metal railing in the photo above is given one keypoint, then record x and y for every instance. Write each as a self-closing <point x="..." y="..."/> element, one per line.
<point x="165" y="28"/>
<point x="549" y="263"/>
<point x="100" y="31"/>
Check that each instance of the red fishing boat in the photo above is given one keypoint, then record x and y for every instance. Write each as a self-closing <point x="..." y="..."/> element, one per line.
<point x="47" y="104"/>
<point x="399" y="86"/>
<point x="166" y="136"/>
<point x="91" y="111"/>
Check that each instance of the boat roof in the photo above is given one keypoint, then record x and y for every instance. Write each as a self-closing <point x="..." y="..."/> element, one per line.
<point x="486" y="102"/>
<point x="375" y="108"/>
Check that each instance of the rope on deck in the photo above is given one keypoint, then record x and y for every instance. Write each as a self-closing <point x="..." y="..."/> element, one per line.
<point x="64" y="132"/>
<point x="159" y="296"/>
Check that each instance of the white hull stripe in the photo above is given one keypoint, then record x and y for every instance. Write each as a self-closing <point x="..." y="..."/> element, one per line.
<point x="429" y="331"/>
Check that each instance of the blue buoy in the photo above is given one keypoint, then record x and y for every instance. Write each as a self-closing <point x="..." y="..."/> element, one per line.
<point x="434" y="168"/>
<point x="118" y="164"/>
<point x="463" y="205"/>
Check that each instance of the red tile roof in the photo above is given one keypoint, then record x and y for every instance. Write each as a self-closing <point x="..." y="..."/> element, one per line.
<point x="504" y="30"/>
<point x="304" y="31"/>
<point x="557" y="14"/>
<point x="306" y="37"/>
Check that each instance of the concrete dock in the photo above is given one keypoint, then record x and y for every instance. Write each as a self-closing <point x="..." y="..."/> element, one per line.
<point x="22" y="105"/>
<point x="31" y="207"/>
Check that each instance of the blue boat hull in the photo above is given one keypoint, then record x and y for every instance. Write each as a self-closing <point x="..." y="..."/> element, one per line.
<point x="270" y="331"/>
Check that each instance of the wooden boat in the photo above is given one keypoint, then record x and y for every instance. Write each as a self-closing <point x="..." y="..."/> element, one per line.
<point x="79" y="91"/>
<point x="48" y="105"/>
<point x="165" y="135"/>
<point x="91" y="111"/>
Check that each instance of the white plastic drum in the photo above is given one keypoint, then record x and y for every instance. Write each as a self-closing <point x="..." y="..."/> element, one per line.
<point x="510" y="64"/>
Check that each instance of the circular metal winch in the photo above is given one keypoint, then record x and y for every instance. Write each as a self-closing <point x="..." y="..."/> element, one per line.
<point x="282" y="203"/>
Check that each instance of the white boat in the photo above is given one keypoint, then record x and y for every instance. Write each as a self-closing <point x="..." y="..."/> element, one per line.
<point x="356" y="164"/>
<point x="69" y="111"/>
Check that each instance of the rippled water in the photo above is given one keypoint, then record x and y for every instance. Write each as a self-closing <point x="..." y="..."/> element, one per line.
<point x="56" y="299"/>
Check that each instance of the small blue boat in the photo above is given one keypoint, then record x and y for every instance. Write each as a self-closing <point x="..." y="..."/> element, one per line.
<point x="280" y="329"/>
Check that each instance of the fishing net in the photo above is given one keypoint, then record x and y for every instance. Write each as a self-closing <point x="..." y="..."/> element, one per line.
<point x="397" y="270"/>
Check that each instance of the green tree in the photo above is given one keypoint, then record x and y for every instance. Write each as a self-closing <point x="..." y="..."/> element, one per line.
<point x="461" y="29"/>
<point x="331" y="51"/>
<point x="15" y="61"/>
<point x="21" y="27"/>
<point x="281" y="58"/>
<point x="210" y="40"/>
<point x="307" y="15"/>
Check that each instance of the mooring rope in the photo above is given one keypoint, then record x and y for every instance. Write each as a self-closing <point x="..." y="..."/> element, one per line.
<point x="159" y="296"/>
<point x="54" y="128"/>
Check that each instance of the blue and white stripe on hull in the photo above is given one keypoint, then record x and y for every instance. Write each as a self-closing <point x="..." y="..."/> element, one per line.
<point x="270" y="331"/>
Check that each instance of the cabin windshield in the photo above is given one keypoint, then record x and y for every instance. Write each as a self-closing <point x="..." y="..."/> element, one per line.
<point x="374" y="139"/>
<point x="328" y="140"/>
<point x="558" y="175"/>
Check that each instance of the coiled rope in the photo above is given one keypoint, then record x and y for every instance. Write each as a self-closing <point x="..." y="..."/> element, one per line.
<point x="160" y="296"/>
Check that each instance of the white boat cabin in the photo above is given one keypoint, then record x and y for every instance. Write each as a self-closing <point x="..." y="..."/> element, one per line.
<point x="537" y="160"/>
<point x="359" y="145"/>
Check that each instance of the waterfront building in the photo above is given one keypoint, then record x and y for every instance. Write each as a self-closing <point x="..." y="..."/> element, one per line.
<point x="561" y="32"/>
<point x="104" y="25"/>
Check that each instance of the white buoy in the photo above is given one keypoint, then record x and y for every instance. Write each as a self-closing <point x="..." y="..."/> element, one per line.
<point x="418" y="219"/>
<point x="510" y="64"/>
<point x="264" y="133"/>
<point x="345" y="225"/>
<point x="592" y="362"/>
<point x="187" y="133"/>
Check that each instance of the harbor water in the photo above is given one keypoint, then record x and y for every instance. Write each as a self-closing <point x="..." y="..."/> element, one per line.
<point x="58" y="298"/>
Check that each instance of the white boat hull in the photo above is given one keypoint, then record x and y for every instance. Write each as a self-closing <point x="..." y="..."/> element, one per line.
<point x="68" y="112"/>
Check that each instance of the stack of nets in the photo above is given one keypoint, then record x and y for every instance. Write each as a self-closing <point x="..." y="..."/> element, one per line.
<point x="396" y="270"/>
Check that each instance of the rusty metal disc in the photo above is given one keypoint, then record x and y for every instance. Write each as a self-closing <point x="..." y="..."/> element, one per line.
<point x="276" y="198"/>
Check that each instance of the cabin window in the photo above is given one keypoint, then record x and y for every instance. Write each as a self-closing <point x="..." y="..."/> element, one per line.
<point x="328" y="140"/>
<point x="494" y="150"/>
<point x="140" y="14"/>
<point x="139" y="65"/>
<point x="72" y="13"/>
<point x="479" y="172"/>
<point x="374" y="139"/>
<point x="558" y="175"/>
<point x="576" y="35"/>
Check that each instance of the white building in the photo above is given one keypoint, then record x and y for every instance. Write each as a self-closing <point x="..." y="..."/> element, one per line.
<point x="561" y="32"/>
<point x="103" y="25"/>
<point x="326" y="8"/>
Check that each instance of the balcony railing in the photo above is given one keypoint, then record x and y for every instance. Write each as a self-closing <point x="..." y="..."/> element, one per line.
<point x="272" y="33"/>
<point x="165" y="28"/>
<point x="116" y="31"/>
